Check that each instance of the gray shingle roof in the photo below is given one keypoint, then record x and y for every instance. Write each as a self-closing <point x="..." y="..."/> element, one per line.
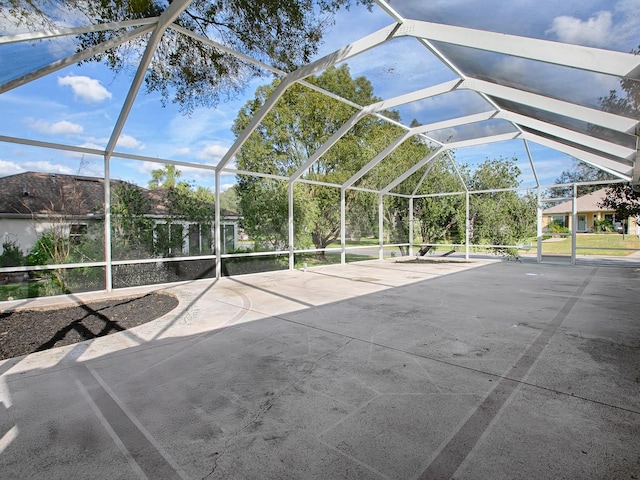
<point x="37" y="193"/>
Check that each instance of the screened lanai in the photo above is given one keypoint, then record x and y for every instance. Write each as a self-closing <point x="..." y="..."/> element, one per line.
<point x="547" y="86"/>
<point x="375" y="166"/>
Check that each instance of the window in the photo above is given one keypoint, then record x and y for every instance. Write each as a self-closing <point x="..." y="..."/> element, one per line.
<point x="77" y="231"/>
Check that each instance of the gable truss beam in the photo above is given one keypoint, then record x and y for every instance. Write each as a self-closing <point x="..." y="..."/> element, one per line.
<point x="174" y="9"/>
<point x="372" y="109"/>
<point x="618" y="169"/>
<point x="567" y="109"/>
<point x="483" y="140"/>
<point x="377" y="159"/>
<point x="412" y="170"/>
<point x="75" y="58"/>
<point x="570" y="135"/>
<point x="351" y="50"/>
<point x="576" y="56"/>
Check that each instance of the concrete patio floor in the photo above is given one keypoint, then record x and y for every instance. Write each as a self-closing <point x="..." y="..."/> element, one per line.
<point x="482" y="370"/>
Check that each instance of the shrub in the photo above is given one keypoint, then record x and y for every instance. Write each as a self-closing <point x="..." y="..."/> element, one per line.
<point x="557" y="227"/>
<point x="604" y="225"/>
<point x="11" y="255"/>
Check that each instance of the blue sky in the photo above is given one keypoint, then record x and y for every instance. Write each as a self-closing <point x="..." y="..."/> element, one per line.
<point x="79" y="105"/>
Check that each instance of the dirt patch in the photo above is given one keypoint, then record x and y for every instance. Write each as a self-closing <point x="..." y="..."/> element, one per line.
<point x="27" y="331"/>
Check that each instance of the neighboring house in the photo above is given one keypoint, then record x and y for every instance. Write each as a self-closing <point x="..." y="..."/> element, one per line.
<point x="33" y="203"/>
<point x="588" y="211"/>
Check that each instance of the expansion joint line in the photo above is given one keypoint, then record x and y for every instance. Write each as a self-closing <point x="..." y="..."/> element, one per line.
<point x="447" y="462"/>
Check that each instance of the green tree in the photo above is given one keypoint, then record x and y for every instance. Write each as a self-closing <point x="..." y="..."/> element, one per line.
<point x="299" y="124"/>
<point x="165" y="177"/>
<point x="190" y="203"/>
<point x="579" y="172"/>
<point x="285" y="33"/>
<point x="229" y="200"/>
<point x="624" y="199"/>
<point x="495" y="218"/>
<point x="499" y="218"/>
<point x="627" y="102"/>
<point x="131" y="223"/>
<point x="442" y="218"/>
<point x="12" y="255"/>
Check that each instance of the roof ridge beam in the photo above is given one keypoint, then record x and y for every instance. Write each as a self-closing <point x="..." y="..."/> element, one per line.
<point x="174" y="9"/>
<point x="455" y="122"/>
<point x="598" y="60"/>
<point x="483" y="140"/>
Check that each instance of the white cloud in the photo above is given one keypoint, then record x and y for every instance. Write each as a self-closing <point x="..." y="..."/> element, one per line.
<point x="127" y="141"/>
<point x="86" y="89"/>
<point x="9" y="168"/>
<point x="212" y="152"/>
<point x="226" y="186"/>
<point x="183" y="151"/>
<point x="46" y="166"/>
<point x="63" y="127"/>
<point x="92" y="144"/>
<point x="597" y="31"/>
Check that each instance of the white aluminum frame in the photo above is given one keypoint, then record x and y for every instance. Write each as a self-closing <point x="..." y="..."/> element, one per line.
<point x="618" y="160"/>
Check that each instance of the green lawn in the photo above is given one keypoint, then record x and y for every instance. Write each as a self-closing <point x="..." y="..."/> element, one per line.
<point x="360" y="243"/>
<point x="592" y="244"/>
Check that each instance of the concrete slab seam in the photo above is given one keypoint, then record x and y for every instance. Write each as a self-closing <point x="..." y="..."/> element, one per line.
<point x="137" y="441"/>
<point x="114" y="436"/>
<point x="458" y="448"/>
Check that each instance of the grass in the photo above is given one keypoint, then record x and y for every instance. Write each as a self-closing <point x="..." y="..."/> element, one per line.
<point x="371" y="242"/>
<point x="593" y="244"/>
<point x="329" y="259"/>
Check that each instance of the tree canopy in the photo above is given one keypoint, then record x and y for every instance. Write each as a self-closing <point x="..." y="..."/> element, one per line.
<point x="283" y="33"/>
<point x="624" y="199"/>
<point x="299" y="124"/>
<point x="303" y="120"/>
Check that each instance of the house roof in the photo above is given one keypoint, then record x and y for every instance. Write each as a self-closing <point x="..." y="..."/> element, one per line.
<point x="37" y="193"/>
<point x="585" y="203"/>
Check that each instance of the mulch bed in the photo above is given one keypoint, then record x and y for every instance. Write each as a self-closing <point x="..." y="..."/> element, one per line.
<point x="27" y="331"/>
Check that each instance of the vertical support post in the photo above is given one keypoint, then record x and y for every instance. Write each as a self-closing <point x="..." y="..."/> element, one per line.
<point x="216" y="229"/>
<point x="343" y="227"/>
<point x="290" y="228"/>
<point x="108" y="271"/>
<point x="466" y="226"/>
<point x="380" y="228"/>
<point x="539" y="227"/>
<point x="574" y="223"/>
<point x="411" y="227"/>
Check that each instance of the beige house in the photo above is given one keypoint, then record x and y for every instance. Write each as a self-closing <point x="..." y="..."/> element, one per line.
<point x="588" y="212"/>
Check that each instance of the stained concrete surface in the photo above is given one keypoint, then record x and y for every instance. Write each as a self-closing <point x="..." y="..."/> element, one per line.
<point x="372" y="370"/>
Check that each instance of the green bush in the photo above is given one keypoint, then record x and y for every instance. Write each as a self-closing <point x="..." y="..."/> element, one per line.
<point x="40" y="254"/>
<point x="11" y="255"/>
<point x="604" y="225"/>
<point x="557" y="227"/>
